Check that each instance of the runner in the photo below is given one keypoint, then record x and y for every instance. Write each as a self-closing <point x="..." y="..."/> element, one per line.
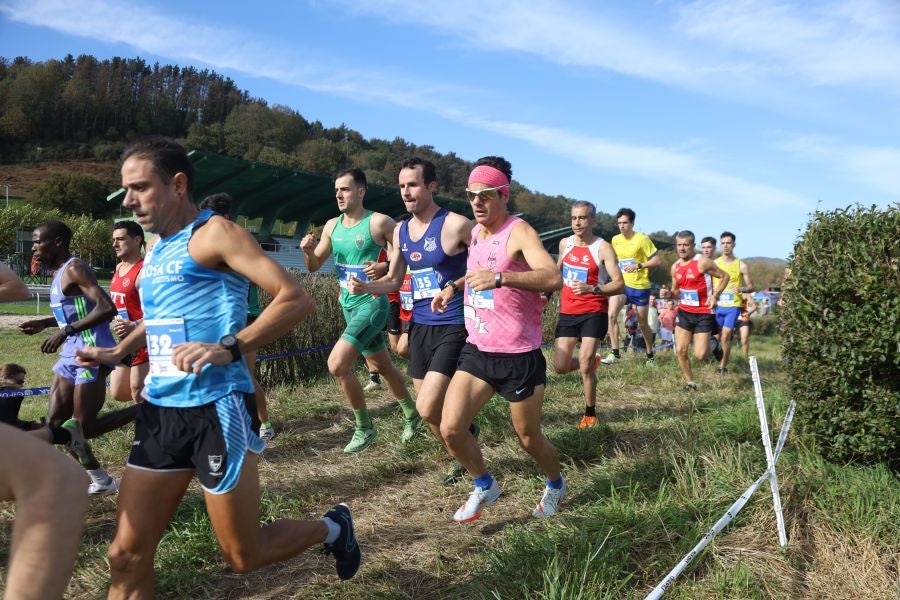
<point x="221" y="204"/>
<point x="356" y="237"/>
<point x="708" y="247"/>
<point x="636" y="254"/>
<point x="507" y="270"/>
<point x="745" y="324"/>
<point x="82" y="311"/>
<point x="728" y="309"/>
<point x="127" y="381"/>
<point x="692" y="279"/>
<point x="708" y="250"/>
<point x="591" y="276"/>
<point x="195" y="418"/>
<point x="433" y="245"/>
<point x="12" y="288"/>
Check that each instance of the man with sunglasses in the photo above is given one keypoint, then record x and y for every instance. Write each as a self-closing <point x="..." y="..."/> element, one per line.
<point x="506" y="272"/>
<point x="356" y="238"/>
<point x="433" y="243"/>
<point x="636" y="254"/>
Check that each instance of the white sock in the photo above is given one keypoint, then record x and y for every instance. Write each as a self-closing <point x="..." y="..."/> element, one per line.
<point x="334" y="530"/>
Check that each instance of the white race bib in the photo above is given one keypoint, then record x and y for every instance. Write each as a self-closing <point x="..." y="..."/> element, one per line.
<point x="346" y="272"/>
<point x="572" y="273"/>
<point x="162" y="336"/>
<point x="690" y="297"/>
<point x="424" y="283"/>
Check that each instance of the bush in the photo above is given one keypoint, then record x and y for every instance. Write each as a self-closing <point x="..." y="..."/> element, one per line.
<point x="322" y="328"/>
<point x="841" y="324"/>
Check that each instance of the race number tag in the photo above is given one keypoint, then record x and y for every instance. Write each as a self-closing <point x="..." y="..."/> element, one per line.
<point x="625" y="262"/>
<point x="690" y="298"/>
<point x="59" y="314"/>
<point x="572" y="273"/>
<point x="406" y="300"/>
<point x="122" y="313"/>
<point x="483" y="299"/>
<point x="424" y="283"/>
<point x="162" y="336"/>
<point x="726" y="298"/>
<point x="346" y="272"/>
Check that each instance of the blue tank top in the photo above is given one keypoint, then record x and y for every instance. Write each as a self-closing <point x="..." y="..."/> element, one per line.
<point x="184" y="301"/>
<point x="430" y="268"/>
<point x="68" y="309"/>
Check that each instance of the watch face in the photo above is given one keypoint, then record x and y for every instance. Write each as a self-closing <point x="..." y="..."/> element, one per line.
<point x="228" y="341"/>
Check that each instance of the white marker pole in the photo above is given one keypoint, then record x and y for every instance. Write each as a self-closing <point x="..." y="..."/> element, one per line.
<point x="729" y="515"/>
<point x="770" y="456"/>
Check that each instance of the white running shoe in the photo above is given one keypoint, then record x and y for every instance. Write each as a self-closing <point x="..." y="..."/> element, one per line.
<point x="110" y="486"/>
<point x="478" y="499"/>
<point x="550" y="501"/>
<point x="610" y="359"/>
<point x="266" y="432"/>
<point x="372" y="386"/>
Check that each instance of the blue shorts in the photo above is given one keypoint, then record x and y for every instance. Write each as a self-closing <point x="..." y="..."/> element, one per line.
<point x="637" y="297"/>
<point x="210" y="440"/>
<point x="66" y="368"/>
<point x="727" y="316"/>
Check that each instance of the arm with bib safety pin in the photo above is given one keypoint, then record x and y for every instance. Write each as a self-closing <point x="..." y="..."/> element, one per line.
<point x="392" y="280"/>
<point x="223" y="244"/>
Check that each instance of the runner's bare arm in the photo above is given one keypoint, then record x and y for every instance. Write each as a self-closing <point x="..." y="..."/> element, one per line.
<point x="709" y="267"/>
<point x="674" y="288"/>
<point x="222" y="243"/>
<point x="381" y="228"/>
<point x="79" y="279"/>
<point x="91" y="356"/>
<point x="316" y="252"/>
<point x="544" y="276"/>
<point x="392" y="281"/>
<point x="616" y="283"/>
<point x="11" y="287"/>
<point x="748" y="283"/>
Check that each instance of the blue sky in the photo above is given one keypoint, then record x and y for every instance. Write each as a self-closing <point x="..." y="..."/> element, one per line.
<point x="744" y="115"/>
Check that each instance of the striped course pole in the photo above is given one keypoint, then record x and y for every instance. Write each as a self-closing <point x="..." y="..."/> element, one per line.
<point x="770" y="456"/>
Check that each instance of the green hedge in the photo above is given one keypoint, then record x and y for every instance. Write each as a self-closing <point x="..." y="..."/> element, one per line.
<point x="841" y="323"/>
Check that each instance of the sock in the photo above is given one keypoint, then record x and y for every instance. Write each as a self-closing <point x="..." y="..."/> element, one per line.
<point x="408" y="406"/>
<point x="334" y="530"/>
<point x="373" y="375"/>
<point x="556" y="485"/>
<point x="59" y="435"/>
<point x="615" y="352"/>
<point x="363" y="420"/>
<point x="485" y="481"/>
<point x="266" y="424"/>
<point x="590" y="411"/>
<point x="98" y="475"/>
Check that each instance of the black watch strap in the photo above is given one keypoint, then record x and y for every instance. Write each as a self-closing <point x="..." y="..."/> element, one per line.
<point x="452" y="284"/>
<point x="230" y="343"/>
<point x="69" y="330"/>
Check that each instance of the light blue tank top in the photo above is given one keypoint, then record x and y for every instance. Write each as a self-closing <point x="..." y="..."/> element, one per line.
<point x="69" y="309"/>
<point x="184" y="301"/>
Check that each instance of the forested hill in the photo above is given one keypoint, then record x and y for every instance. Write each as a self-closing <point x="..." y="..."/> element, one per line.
<point x="85" y="108"/>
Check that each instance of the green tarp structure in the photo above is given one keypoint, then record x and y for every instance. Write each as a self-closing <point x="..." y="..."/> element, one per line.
<point x="279" y="193"/>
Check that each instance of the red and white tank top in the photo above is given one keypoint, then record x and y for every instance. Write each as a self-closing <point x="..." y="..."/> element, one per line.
<point x="582" y="263"/>
<point x="695" y="287"/>
<point x="504" y="320"/>
<point x="124" y="293"/>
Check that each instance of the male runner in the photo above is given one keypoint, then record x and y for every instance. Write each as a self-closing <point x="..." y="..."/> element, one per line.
<point x="127" y="381"/>
<point x="82" y="311"/>
<point x="745" y="324"/>
<point x="728" y="308"/>
<point x="636" y="254"/>
<point x="433" y="243"/>
<point x="195" y="418"/>
<point x="356" y="238"/>
<point x="692" y="279"/>
<point x="708" y="247"/>
<point x="590" y="275"/>
<point x="708" y="250"/>
<point x="46" y="489"/>
<point x="221" y="203"/>
<point x="506" y="272"/>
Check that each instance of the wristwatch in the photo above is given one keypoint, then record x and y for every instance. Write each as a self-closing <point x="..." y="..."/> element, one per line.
<point x="596" y="290"/>
<point x="230" y="343"/>
<point x="69" y="330"/>
<point x="452" y="284"/>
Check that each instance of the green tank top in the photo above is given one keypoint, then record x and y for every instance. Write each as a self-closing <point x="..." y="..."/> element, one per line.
<point x="351" y="247"/>
<point x="253" y="308"/>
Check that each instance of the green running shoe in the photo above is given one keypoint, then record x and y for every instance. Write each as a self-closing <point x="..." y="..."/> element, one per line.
<point x="360" y="440"/>
<point x="410" y="428"/>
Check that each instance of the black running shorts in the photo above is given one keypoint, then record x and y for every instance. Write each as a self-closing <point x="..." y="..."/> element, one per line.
<point x="694" y="322"/>
<point x="513" y="376"/>
<point x="435" y="348"/>
<point x="590" y="325"/>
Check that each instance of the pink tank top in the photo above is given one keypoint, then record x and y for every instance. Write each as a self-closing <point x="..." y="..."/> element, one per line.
<point x="504" y="320"/>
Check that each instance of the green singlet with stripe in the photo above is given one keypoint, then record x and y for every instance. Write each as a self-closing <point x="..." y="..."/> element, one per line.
<point x="352" y="247"/>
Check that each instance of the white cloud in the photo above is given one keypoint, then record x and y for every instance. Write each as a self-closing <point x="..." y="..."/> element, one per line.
<point x="222" y="49"/>
<point x="873" y="166"/>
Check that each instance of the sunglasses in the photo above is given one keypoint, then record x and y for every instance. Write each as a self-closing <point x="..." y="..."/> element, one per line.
<point x="485" y="194"/>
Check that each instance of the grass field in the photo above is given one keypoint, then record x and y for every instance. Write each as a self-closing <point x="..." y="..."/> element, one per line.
<point x="643" y="488"/>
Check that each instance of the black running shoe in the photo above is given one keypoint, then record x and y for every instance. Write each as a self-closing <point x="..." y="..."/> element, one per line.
<point x="718" y="353"/>
<point x="345" y="549"/>
<point x="689" y="387"/>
